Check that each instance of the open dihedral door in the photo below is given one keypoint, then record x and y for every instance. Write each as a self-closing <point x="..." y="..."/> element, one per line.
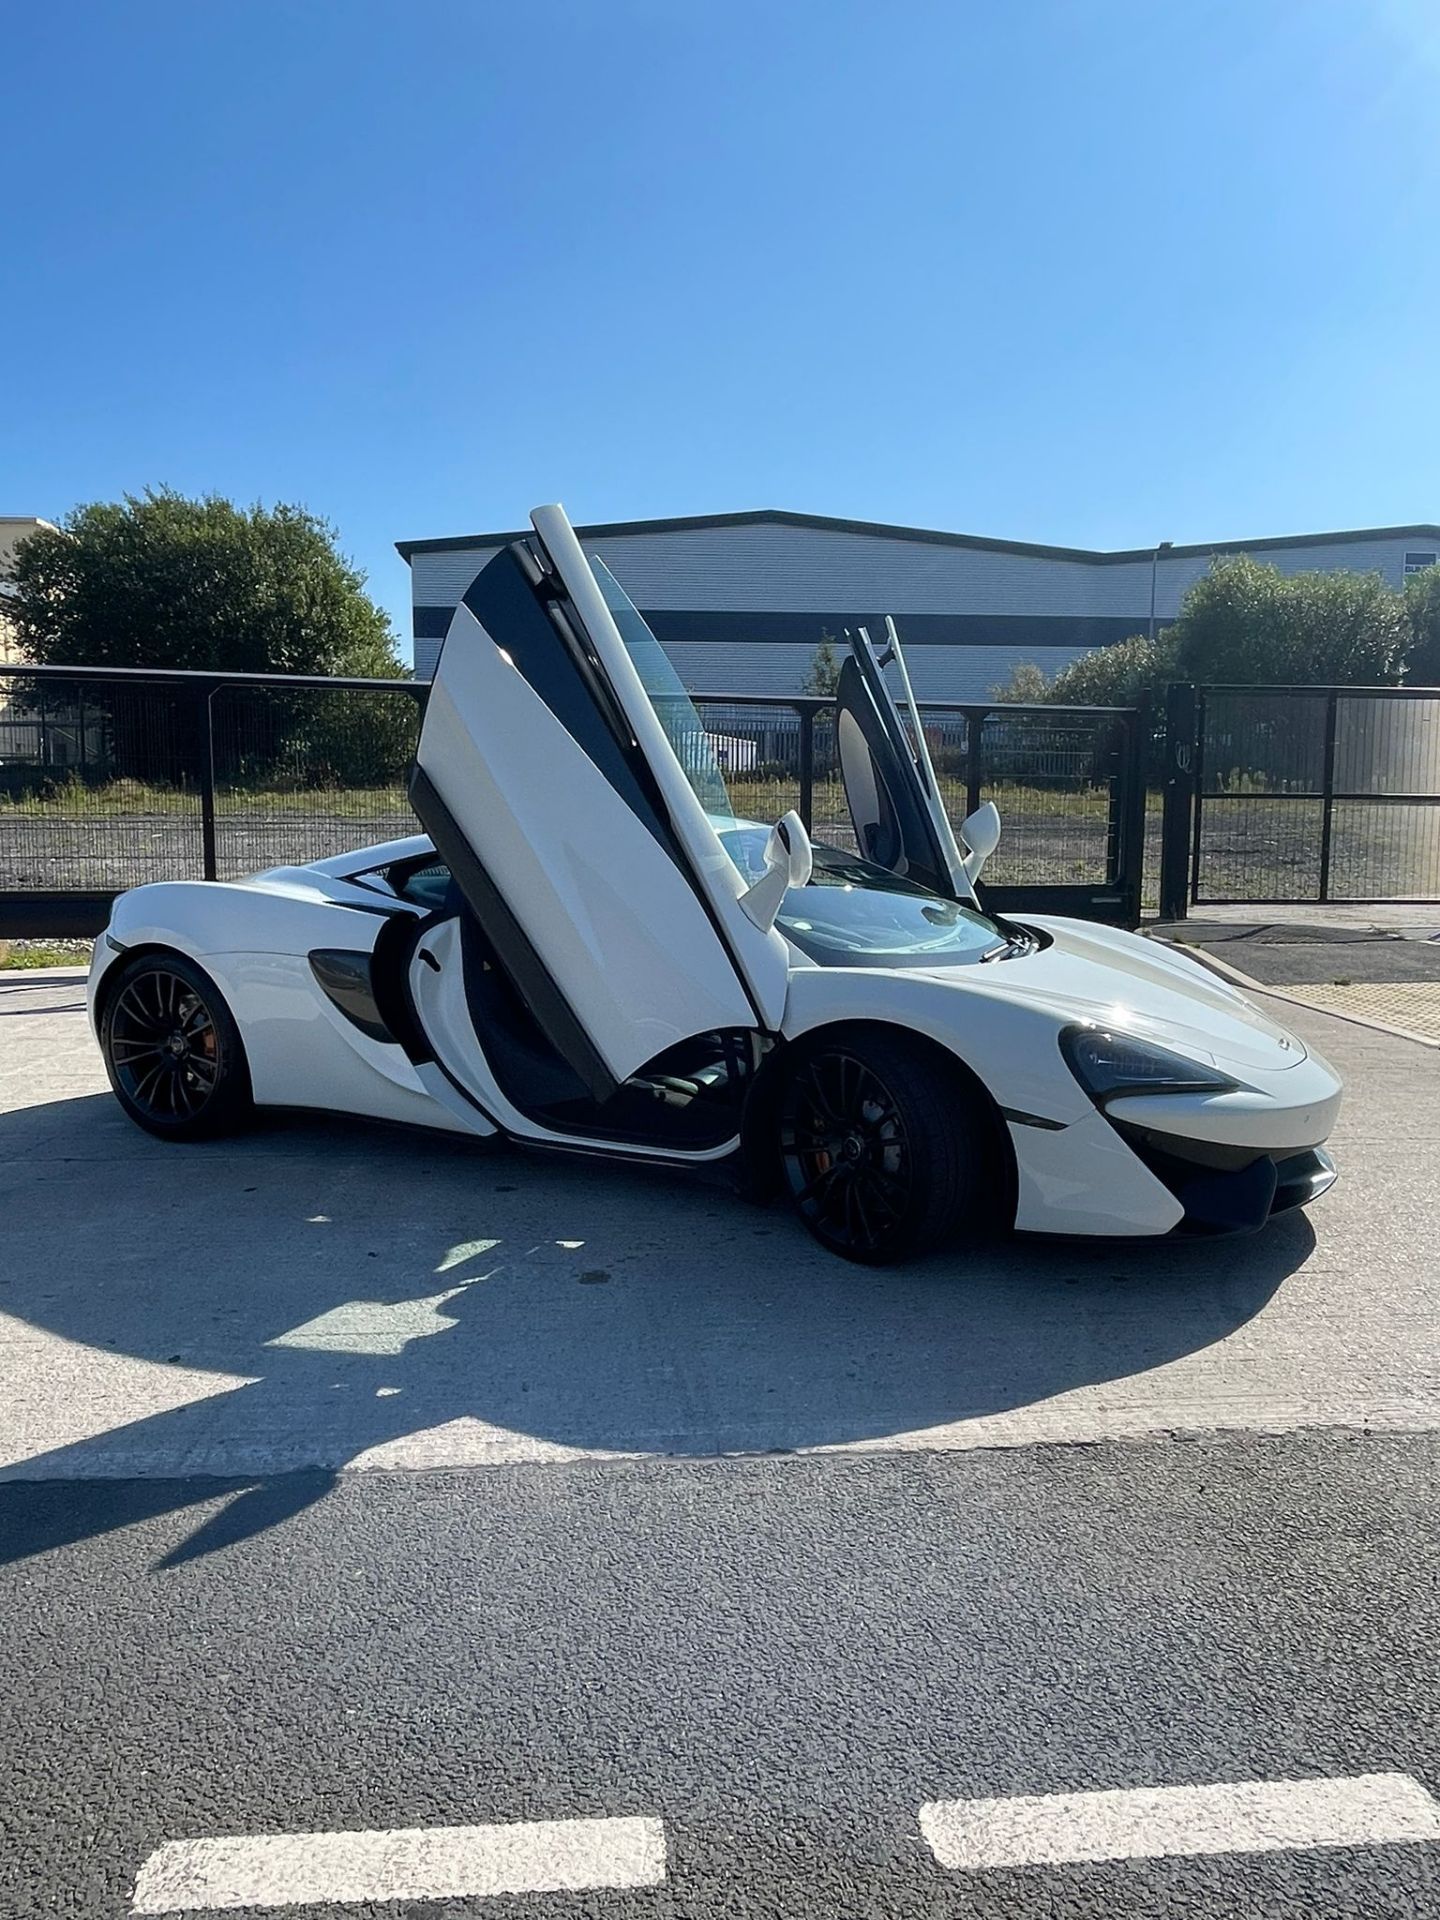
<point x="895" y="805"/>
<point x="579" y="843"/>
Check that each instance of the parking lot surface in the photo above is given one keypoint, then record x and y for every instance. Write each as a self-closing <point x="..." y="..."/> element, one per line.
<point x="327" y="1294"/>
<point x="369" y="1484"/>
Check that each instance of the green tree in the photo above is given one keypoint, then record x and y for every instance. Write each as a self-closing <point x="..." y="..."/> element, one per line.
<point x="1249" y="624"/>
<point x="1027" y="682"/>
<point x="160" y="580"/>
<point x="1422" y="609"/>
<point x="1116" y="676"/>
<point x="822" y="676"/>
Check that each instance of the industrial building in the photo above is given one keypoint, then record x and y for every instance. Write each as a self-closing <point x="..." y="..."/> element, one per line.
<point x="13" y="529"/>
<point x="741" y="600"/>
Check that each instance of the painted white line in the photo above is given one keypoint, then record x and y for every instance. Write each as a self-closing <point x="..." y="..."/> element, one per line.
<point x="404" y="1863"/>
<point x="1137" y="1823"/>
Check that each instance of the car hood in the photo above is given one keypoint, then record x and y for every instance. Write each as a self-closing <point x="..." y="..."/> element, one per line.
<point x="1108" y="977"/>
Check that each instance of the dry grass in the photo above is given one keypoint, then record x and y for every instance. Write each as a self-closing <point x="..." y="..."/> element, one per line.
<point x="75" y="800"/>
<point x="20" y="954"/>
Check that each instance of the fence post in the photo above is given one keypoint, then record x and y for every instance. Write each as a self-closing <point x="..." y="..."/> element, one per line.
<point x="1327" y="802"/>
<point x="1179" y="793"/>
<point x="807" y="766"/>
<point x="974" y="730"/>
<point x="207" y="785"/>
<point x="1130" y="837"/>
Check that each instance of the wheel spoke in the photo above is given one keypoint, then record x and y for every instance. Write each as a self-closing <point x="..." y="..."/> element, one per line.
<point x="149" y="1082"/>
<point x="818" y="1184"/>
<point x="848" y="1198"/>
<point x="858" y="1188"/>
<point x="134" y="1049"/>
<point x="880" y="1192"/>
<point x="137" y="1012"/>
<point x="813" y="1087"/>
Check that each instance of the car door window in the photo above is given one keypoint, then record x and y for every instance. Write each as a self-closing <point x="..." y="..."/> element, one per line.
<point x="428" y="886"/>
<point x="693" y="747"/>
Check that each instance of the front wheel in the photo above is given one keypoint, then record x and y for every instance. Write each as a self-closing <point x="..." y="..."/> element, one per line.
<point x="173" y="1051"/>
<point x="886" y="1150"/>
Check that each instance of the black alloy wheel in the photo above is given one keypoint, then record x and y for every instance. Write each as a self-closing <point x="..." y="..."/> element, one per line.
<point x="883" y="1149"/>
<point x="172" y="1051"/>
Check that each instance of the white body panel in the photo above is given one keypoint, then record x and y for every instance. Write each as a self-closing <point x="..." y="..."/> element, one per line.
<point x="1085" y="1180"/>
<point x="574" y="862"/>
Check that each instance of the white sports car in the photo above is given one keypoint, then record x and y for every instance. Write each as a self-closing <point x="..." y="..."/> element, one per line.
<point x="587" y="950"/>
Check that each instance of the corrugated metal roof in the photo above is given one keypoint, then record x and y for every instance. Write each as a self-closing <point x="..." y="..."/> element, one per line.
<point x="933" y="536"/>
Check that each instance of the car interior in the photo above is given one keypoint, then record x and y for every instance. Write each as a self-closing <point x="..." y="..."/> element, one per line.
<point x="689" y="1097"/>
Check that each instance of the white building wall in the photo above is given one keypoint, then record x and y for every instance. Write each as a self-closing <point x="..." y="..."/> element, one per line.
<point x="938" y="673"/>
<point x="13" y="529"/>
<point x="774" y="567"/>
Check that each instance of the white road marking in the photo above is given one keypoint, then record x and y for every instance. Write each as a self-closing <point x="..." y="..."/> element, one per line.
<point x="404" y="1863"/>
<point x="1136" y="1823"/>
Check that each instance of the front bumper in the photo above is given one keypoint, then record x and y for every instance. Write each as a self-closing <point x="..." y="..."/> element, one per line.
<point x="1235" y="1193"/>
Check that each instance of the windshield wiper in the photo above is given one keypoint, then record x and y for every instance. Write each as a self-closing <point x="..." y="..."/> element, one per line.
<point x="1010" y="948"/>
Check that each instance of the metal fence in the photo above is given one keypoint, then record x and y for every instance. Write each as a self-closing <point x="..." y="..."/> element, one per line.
<point x="112" y="779"/>
<point x="1069" y="782"/>
<point x="109" y="779"/>
<point x="1312" y="794"/>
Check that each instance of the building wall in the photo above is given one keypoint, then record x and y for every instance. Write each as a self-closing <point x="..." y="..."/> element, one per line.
<point x="13" y="529"/>
<point x="741" y="608"/>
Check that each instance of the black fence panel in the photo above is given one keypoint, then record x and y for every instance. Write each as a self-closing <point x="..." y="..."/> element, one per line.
<point x="100" y="784"/>
<point x="1316" y="794"/>
<point x="307" y="772"/>
<point x="1059" y="781"/>
<point x="112" y="779"/>
<point x="109" y="780"/>
<point x="1069" y="783"/>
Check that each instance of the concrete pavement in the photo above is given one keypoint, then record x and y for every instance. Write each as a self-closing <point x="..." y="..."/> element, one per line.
<point x="1046" y="1521"/>
<point x="1378" y="976"/>
<point x="322" y="1295"/>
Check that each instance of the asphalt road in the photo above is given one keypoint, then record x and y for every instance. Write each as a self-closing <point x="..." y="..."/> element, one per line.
<point x="363" y="1481"/>
<point x="782" y="1660"/>
<point x="1299" y="955"/>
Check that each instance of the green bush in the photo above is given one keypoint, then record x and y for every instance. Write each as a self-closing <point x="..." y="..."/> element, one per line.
<point x="1248" y="624"/>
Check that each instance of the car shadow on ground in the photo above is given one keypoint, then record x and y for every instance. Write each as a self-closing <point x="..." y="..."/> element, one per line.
<point x="331" y="1292"/>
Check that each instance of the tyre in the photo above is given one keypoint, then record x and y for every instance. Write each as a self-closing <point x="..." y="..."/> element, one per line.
<point x="172" y="1051"/>
<point x="887" y="1149"/>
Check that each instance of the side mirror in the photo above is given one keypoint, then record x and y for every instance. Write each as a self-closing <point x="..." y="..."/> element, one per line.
<point x="788" y="863"/>
<point x="981" y="835"/>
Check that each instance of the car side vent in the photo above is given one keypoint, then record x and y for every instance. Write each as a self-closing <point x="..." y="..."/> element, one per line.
<point x="344" y="976"/>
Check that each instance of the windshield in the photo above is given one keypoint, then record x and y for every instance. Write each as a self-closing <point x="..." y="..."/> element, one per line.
<point x="693" y="746"/>
<point x="854" y="913"/>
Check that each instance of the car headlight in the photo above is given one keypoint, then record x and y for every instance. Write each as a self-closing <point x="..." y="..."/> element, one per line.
<point x="1109" y="1063"/>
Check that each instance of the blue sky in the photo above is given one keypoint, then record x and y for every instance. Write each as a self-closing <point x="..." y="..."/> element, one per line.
<point x="1087" y="271"/>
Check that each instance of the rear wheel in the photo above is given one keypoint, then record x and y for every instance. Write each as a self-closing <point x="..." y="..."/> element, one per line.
<point x="886" y="1151"/>
<point x="172" y="1050"/>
